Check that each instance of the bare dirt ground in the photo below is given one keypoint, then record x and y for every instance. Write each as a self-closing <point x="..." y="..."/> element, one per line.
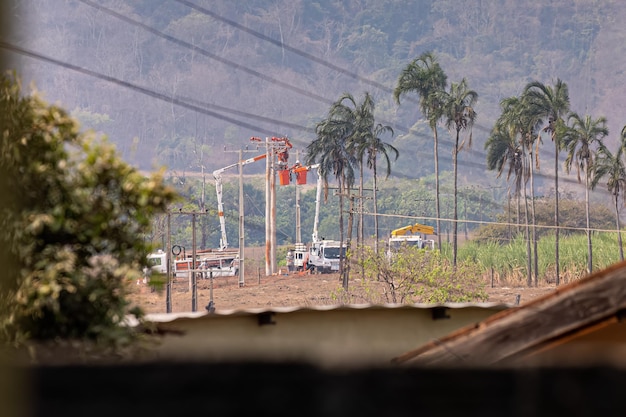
<point x="287" y="291"/>
<point x="293" y="290"/>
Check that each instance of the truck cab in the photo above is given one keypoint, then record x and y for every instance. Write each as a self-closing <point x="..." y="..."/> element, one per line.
<point x="157" y="262"/>
<point x="324" y="256"/>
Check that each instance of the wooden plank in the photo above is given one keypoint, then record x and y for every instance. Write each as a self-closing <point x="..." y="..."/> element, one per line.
<point x="503" y="335"/>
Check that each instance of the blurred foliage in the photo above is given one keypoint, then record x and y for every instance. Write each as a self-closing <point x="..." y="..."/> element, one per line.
<point x="74" y="218"/>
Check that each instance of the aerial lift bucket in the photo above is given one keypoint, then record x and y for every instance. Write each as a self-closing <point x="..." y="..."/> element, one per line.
<point x="283" y="177"/>
<point x="301" y="176"/>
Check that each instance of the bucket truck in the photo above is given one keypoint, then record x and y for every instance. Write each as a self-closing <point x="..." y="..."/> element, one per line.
<point x="322" y="255"/>
<point x="217" y="174"/>
<point x="220" y="262"/>
<point x="411" y="235"/>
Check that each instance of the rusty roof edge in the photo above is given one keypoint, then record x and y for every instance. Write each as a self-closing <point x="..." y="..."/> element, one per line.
<point x="168" y="317"/>
<point x="466" y="333"/>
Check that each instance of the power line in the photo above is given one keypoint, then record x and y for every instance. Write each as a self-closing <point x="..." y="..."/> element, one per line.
<point x="255" y="73"/>
<point x="205" y="53"/>
<point x="229" y="63"/>
<point x="151" y="93"/>
<point x="313" y="58"/>
<point x="181" y="102"/>
<point x="285" y="46"/>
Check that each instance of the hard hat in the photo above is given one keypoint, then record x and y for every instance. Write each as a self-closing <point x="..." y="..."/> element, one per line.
<point x="297" y="161"/>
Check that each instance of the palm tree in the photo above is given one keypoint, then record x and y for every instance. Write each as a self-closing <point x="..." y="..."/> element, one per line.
<point x="519" y="116"/>
<point x="425" y="77"/>
<point x="552" y="103"/>
<point x="612" y="167"/>
<point x="504" y="150"/>
<point x="331" y="150"/>
<point x="457" y="108"/>
<point x="361" y="118"/>
<point x="370" y="145"/>
<point x="578" y="140"/>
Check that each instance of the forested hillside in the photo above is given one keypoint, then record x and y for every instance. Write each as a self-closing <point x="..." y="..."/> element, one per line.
<point x="259" y="68"/>
<point x="178" y="82"/>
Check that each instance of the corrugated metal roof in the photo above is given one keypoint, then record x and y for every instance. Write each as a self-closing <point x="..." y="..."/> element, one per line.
<point x="167" y="317"/>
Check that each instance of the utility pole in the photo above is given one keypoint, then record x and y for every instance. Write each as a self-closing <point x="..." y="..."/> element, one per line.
<point x="194" y="284"/>
<point x="168" y="260"/>
<point x="345" y="269"/>
<point x="268" y="242"/>
<point x="280" y="147"/>
<point x="194" y="278"/>
<point x="298" y="225"/>
<point x="242" y="240"/>
<point x="272" y="204"/>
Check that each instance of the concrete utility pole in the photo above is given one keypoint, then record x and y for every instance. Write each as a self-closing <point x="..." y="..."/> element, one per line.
<point x="274" y="147"/>
<point x="194" y="278"/>
<point x="242" y="242"/>
<point x="298" y="225"/>
<point x="268" y="242"/>
<point x="272" y="204"/>
<point x="168" y="260"/>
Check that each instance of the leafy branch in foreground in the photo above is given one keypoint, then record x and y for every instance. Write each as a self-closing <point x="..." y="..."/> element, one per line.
<point x="74" y="225"/>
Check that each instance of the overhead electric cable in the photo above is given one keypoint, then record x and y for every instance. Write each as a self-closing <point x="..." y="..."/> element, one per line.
<point x="134" y="87"/>
<point x="227" y="62"/>
<point x="303" y="54"/>
<point x="205" y="53"/>
<point x="285" y="46"/>
<point x="181" y="102"/>
<point x="235" y="65"/>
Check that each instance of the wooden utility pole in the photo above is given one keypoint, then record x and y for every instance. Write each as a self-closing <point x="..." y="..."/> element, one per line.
<point x="193" y="282"/>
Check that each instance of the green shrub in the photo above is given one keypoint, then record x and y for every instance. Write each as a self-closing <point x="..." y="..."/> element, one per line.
<point x="421" y="276"/>
<point x="74" y="224"/>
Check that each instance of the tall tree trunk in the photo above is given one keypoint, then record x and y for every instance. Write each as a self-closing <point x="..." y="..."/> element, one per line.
<point x="508" y="202"/>
<point x="346" y="267"/>
<point x="619" y="229"/>
<point x="589" y="245"/>
<point x="360" y="238"/>
<point x="529" y="273"/>
<point x="437" y="204"/>
<point x="533" y="220"/>
<point x="556" y="212"/>
<point x="360" y="233"/>
<point x="375" y="210"/>
<point x="518" y="211"/>
<point x="455" y="215"/>
<point x="340" y="226"/>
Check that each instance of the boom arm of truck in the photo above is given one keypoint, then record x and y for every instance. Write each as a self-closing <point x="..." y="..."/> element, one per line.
<point x="318" y="198"/>
<point x="217" y="174"/>
<point x="414" y="228"/>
